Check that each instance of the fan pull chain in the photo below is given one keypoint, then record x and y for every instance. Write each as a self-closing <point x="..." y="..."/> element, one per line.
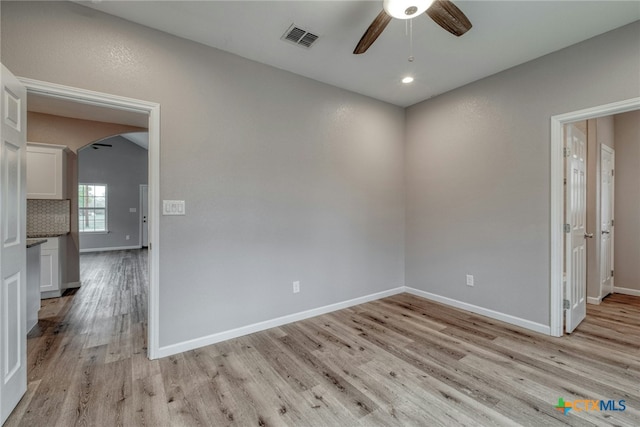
<point x="410" y="25"/>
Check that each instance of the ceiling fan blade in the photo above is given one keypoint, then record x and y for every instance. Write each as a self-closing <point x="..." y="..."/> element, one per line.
<point x="375" y="29"/>
<point x="102" y="145"/>
<point x="448" y="16"/>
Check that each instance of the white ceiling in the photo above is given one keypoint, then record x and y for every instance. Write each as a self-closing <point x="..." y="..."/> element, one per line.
<point x="504" y="34"/>
<point x="139" y="138"/>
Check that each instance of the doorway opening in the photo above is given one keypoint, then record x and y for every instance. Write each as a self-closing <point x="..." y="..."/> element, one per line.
<point x="110" y="173"/>
<point x="65" y="95"/>
<point x="561" y="239"/>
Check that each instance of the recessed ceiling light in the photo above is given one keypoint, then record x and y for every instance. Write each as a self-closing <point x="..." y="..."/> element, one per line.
<point x="407" y="80"/>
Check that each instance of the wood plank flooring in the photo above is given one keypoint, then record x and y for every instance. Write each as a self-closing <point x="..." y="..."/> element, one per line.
<point x="400" y="361"/>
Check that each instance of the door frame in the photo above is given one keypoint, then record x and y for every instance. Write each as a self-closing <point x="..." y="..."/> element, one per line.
<point x="140" y="217"/>
<point x="557" y="199"/>
<point x="116" y="102"/>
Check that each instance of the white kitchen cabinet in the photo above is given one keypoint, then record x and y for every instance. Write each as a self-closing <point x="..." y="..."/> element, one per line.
<point x="52" y="269"/>
<point x="33" y="285"/>
<point x="46" y="171"/>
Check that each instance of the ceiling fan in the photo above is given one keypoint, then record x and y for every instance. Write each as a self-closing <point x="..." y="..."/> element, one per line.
<point x="443" y="12"/>
<point x="97" y="145"/>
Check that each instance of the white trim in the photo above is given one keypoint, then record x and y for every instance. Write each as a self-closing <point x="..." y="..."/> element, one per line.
<point x="44" y="145"/>
<point x="556" y="226"/>
<point x="557" y="199"/>
<point x="594" y="301"/>
<point x="503" y="317"/>
<point x="181" y="347"/>
<point x="267" y="324"/>
<point x="140" y="227"/>
<point x="51" y="294"/>
<point x="138" y="106"/>
<point x="71" y="285"/>
<point x="112" y="248"/>
<point x="626" y="291"/>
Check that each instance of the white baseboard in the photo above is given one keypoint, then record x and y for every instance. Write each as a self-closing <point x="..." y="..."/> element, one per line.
<point x="626" y="291"/>
<point x="594" y="301"/>
<point x="507" y="318"/>
<point x="32" y="325"/>
<point x="71" y="285"/>
<point x="267" y="324"/>
<point x="115" y="248"/>
<point x="50" y="294"/>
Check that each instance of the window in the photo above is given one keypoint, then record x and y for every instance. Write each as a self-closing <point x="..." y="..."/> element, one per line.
<point x="92" y="208"/>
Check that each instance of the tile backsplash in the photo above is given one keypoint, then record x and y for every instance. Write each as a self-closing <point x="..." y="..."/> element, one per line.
<point x="48" y="216"/>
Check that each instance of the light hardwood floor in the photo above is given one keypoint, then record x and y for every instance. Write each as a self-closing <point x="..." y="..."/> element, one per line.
<point x="400" y="361"/>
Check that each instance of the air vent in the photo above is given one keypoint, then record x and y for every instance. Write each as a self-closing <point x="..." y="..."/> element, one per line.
<point x="299" y="36"/>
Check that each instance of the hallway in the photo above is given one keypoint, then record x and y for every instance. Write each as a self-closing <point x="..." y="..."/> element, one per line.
<point x="87" y="343"/>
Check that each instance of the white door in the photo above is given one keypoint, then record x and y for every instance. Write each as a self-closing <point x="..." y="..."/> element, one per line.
<point x="144" y="216"/>
<point x="607" y="161"/>
<point x="576" y="215"/>
<point x="13" y="252"/>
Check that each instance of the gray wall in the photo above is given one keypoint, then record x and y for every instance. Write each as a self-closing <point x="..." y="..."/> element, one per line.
<point x="284" y="178"/>
<point x="123" y="167"/>
<point x="627" y="201"/>
<point x="478" y="173"/>
<point x="289" y="179"/>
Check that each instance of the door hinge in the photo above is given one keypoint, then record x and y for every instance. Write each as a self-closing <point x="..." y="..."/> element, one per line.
<point x="611" y="273"/>
<point x="565" y="304"/>
<point x="567" y="228"/>
<point x="565" y="181"/>
<point x="612" y="173"/>
<point x="612" y="223"/>
<point x="566" y="151"/>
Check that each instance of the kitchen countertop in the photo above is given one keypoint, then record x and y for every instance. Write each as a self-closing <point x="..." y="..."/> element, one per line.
<point x="44" y="235"/>
<point x="35" y="242"/>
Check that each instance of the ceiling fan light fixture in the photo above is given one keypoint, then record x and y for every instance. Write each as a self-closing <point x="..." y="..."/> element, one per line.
<point x="405" y="9"/>
<point x="407" y="80"/>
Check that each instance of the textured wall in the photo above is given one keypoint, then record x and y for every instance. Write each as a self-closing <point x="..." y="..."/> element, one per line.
<point x="478" y="173"/>
<point x="74" y="133"/>
<point x="284" y="178"/>
<point x="627" y="201"/>
<point x="122" y="167"/>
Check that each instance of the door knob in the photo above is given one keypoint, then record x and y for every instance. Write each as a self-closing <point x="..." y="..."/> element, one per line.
<point x="605" y="232"/>
<point x="589" y="235"/>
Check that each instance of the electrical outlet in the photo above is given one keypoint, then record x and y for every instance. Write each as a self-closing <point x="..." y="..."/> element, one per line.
<point x="127" y="237"/>
<point x="296" y="287"/>
<point x="469" y="280"/>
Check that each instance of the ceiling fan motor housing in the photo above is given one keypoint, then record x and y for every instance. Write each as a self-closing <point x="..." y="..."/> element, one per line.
<point x="406" y="9"/>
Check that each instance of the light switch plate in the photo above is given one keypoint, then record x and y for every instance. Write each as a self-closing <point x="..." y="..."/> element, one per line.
<point x="173" y="207"/>
<point x="132" y="209"/>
